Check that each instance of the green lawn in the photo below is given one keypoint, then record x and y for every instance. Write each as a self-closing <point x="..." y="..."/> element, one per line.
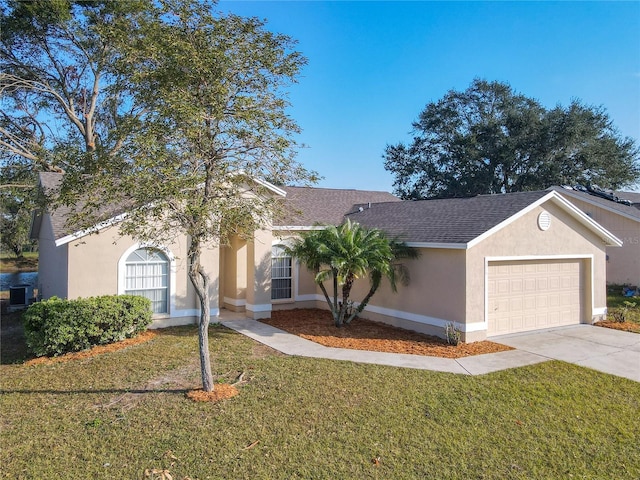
<point x="115" y="415"/>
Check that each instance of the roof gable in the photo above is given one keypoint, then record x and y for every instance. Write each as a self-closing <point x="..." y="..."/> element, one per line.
<point x="463" y="222"/>
<point x="110" y="214"/>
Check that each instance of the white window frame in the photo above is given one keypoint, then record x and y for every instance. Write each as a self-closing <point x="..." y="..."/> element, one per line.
<point x="171" y="274"/>
<point x="291" y="296"/>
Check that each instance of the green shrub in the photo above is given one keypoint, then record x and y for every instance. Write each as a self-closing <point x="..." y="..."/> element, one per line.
<point x="55" y="326"/>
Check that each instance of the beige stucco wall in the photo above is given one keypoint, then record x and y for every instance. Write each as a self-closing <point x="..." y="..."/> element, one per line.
<point x="258" y="270"/>
<point x="234" y="274"/>
<point x="623" y="264"/>
<point x="94" y="266"/>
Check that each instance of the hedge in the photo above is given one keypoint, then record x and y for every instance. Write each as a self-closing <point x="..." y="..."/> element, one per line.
<point x="55" y="326"/>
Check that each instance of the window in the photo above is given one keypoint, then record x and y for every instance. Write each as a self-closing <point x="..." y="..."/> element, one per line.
<point x="147" y="275"/>
<point x="280" y="274"/>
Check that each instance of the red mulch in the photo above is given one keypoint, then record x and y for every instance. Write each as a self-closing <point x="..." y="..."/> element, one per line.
<point x="318" y="326"/>
<point x="97" y="350"/>
<point x="221" y="391"/>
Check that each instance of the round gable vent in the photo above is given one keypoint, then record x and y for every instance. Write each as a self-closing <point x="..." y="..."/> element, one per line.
<point x="544" y="221"/>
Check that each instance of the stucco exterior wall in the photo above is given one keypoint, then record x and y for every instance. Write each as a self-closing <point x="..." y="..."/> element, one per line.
<point x="52" y="263"/>
<point x="95" y="266"/>
<point x="234" y="275"/>
<point x="258" y="294"/>
<point x="434" y="296"/>
<point x="623" y="263"/>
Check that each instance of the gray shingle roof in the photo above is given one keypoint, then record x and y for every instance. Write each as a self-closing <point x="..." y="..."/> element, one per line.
<point x="50" y="182"/>
<point x="632" y="211"/>
<point x="308" y="206"/>
<point x="454" y="220"/>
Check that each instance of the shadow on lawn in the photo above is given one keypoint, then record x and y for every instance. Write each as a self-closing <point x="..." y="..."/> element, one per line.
<point x="144" y="391"/>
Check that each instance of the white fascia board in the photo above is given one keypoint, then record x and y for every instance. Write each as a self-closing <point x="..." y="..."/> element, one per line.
<point x="457" y="246"/>
<point x="608" y="237"/>
<point x="297" y="228"/>
<point x="96" y="228"/>
<point x="604" y="206"/>
<point x="270" y="186"/>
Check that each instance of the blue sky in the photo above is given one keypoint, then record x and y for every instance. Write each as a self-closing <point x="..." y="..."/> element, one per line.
<point x="373" y="66"/>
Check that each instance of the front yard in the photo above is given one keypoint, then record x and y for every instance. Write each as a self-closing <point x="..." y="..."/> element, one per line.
<point x="122" y="413"/>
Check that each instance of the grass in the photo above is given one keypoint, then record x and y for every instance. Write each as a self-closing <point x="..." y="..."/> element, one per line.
<point x="11" y="264"/>
<point x="121" y="413"/>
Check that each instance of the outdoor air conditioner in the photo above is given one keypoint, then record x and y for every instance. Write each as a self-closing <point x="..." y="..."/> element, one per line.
<point x="20" y="296"/>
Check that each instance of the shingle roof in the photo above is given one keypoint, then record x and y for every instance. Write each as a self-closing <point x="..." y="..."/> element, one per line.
<point x="454" y="220"/>
<point x="632" y="211"/>
<point x="308" y="206"/>
<point x="50" y="182"/>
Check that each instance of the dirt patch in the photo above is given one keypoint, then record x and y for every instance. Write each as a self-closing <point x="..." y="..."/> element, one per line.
<point x="97" y="350"/>
<point x="318" y="326"/>
<point x="624" y="326"/>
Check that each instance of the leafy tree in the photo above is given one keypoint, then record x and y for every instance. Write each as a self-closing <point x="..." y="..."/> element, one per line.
<point x="17" y="200"/>
<point x="63" y="105"/>
<point x="490" y="139"/>
<point x="345" y="253"/>
<point x="194" y="112"/>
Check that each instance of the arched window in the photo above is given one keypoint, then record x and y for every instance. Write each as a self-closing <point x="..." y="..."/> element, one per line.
<point x="147" y="275"/>
<point x="280" y="274"/>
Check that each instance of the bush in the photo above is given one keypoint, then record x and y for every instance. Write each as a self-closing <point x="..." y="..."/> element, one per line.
<point x="55" y="326"/>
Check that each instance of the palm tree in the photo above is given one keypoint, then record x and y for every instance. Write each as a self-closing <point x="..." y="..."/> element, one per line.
<point x="345" y="253"/>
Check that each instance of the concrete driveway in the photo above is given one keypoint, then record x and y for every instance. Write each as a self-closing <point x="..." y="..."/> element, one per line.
<point x="603" y="349"/>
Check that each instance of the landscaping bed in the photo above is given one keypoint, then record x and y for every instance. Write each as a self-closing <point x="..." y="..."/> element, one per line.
<point x="318" y="326"/>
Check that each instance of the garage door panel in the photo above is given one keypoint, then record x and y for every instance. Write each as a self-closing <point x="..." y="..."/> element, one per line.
<point x="529" y="295"/>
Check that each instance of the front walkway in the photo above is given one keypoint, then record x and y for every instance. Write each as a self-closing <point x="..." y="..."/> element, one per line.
<point x="293" y="345"/>
<point x="602" y="349"/>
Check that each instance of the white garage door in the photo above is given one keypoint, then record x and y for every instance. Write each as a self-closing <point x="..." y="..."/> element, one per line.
<point x="529" y="295"/>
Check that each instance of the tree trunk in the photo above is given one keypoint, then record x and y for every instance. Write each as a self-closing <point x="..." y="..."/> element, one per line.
<point x="346" y="291"/>
<point x="200" y="280"/>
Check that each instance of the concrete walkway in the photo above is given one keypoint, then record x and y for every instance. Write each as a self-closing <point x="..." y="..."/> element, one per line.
<point x="602" y="349"/>
<point x="293" y="345"/>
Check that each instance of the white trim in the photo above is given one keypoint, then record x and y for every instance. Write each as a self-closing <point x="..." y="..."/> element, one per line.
<point x="401" y="315"/>
<point x="298" y="228"/>
<point x="459" y="246"/>
<point x="96" y="228"/>
<point x="194" y="312"/>
<point x="599" y="311"/>
<point x="424" y="319"/>
<point x="310" y="297"/>
<point x="172" y="271"/>
<point x="236" y="302"/>
<point x="598" y="204"/>
<point x="610" y="239"/>
<point x="264" y="307"/>
<point x="270" y="186"/>
<point x="518" y="258"/>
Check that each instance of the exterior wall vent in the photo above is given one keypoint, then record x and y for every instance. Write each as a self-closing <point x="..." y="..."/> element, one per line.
<point x="544" y="221"/>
